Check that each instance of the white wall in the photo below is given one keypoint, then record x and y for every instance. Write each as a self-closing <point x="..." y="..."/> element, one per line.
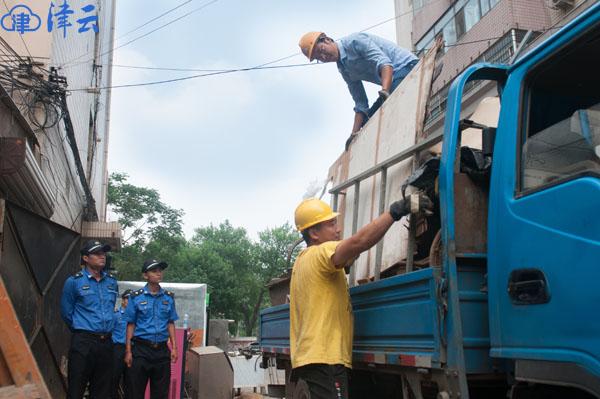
<point x="75" y="56"/>
<point x="403" y="9"/>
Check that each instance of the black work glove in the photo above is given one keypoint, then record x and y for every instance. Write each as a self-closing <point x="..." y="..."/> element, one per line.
<point x="402" y="207"/>
<point x="383" y="95"/>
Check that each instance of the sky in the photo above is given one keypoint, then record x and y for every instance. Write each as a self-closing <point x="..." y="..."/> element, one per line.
<point x="244" y="146"/>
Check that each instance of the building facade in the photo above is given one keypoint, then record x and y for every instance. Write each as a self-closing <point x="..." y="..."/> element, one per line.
<point x="55" y="61"/>
<point x="477" y="31"/>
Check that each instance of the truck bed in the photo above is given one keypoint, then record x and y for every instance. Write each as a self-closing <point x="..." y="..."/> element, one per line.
<point x="401" y="320"/>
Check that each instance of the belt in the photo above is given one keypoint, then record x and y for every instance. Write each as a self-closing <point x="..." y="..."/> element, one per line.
<point x="98" y="335"/>
<point x="145" y="342"/>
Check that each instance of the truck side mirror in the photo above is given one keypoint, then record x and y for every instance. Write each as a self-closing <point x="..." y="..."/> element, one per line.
<point x="487" y="140"/>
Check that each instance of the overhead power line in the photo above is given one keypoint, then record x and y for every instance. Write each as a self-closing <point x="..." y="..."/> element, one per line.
<point x="215" y="72"/>
<point x="68" y="64"/>
<point x="154" y="19"/>
<point x="266" y="65"/>
<point x="72" y="61"/>
<point x="208" y="70"/>
<point x="222" y="72"/>
<point x="166" y="69"/>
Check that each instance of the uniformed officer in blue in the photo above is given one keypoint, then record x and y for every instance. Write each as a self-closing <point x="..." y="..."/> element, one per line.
<point x="87" y="306"/>
<point x="150" y="318"/>
<point x="118" y="339"/>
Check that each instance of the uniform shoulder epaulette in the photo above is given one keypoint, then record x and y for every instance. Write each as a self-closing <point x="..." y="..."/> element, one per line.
<point x="78" y="274"/>
<point x="138" y="292"/>
<point x="171" y="294"/>
<point x="109" y="274"/>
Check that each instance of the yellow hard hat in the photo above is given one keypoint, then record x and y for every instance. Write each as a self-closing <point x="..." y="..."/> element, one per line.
<point x="307" y="43"/>
<point x="312" y="211"/>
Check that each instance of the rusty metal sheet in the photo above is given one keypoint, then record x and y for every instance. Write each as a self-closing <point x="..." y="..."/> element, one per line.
<point x="20" y="375"/>
<point x="12" y="154"/>
<point x="37" y="256"/>
<point x="471" y="215"/>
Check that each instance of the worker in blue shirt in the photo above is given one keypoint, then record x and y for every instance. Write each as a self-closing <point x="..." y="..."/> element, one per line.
<point x="87" y="304"/>
<point x="362" y="57"/>
<point x="150" y="318"/>
<point x="118" y="339"/>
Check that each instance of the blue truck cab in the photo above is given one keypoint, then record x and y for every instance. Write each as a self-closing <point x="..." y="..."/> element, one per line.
<point x="519" y="320"/>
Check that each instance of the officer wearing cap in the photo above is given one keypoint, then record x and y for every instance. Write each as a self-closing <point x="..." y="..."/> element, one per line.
<point x="150" y="318"/>
<point x="118" y="338"/>
<point x="87" y="305"/>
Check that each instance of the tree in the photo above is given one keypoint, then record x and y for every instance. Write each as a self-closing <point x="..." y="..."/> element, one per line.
<point x="152" y="229"/>
<point x="233" y="286"/>
<point x="274" y="245"/>
<point x="235" y="268"/>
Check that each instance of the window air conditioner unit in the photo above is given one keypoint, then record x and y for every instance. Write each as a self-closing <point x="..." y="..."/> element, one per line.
<point x="563" y="4"/>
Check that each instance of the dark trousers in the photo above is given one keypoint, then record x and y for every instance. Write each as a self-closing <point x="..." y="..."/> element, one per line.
<point x="396" y="80"/>
<point x="325" y="381"/>
<point x="149" y="364"/>
<point x="398" y="77"/>
<point x="118" y="369"/>
<point x="90" y="361"/>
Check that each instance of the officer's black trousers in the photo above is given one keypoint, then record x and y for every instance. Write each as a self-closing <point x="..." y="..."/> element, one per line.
<point x="118" y="368"/>
<point x="149" y="363"/>
<point x="90" y="360"/>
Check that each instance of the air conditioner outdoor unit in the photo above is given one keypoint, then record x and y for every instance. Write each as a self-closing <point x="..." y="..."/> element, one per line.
<point x="563" y="4"/>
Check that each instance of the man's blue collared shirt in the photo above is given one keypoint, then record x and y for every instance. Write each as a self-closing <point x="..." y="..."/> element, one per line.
<point x="151" y="314"/>
<point x="362" y="56"/>
<point x="88" y="304"/>
<point x="120" y="326"/>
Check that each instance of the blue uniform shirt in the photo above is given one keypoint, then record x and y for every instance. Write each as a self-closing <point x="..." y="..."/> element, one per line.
<point x="362" y="56"/>
<point x="151" y="314"/>
<point x="87" y="304"/>
<point x="120" y="326"/>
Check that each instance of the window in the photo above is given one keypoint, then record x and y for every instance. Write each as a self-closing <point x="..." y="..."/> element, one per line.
<point x="460" y="23"/>
<point x="425" y="42"/>
<point x="485" y="6"/>
<point x="562" y="124"/>
<point x="449" y="33"/>
<point x="472" y="15"/>
<point x="463" y="15"/>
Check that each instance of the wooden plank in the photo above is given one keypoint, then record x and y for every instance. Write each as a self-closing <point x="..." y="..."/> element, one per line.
<point x="28" y="391"/>
<point x="388" y="133"/>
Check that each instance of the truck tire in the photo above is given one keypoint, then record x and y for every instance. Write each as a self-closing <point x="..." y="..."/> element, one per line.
<point x="301" y="391"/>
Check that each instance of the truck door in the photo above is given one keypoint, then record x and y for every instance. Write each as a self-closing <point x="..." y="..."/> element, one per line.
<point x="544" y="219"/>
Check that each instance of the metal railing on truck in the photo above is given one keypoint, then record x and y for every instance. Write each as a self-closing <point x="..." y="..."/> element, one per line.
<point x="382" y="168"/>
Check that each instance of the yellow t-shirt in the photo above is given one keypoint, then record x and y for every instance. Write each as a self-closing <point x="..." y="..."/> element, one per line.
<point x="321" y="323"/>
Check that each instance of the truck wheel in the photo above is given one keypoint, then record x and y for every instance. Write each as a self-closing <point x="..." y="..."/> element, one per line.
<point x="301" y="391"/>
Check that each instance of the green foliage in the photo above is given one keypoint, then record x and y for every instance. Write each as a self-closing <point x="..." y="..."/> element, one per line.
<point x="141" y="212"/>
<point x="152" y="229"/>
<point x="235" y="268"/>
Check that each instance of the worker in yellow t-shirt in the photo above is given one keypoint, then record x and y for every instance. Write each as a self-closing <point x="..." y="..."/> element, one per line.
<point x="321" y="322"/>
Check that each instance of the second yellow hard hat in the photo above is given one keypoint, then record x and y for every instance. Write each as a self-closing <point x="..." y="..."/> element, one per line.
<point x="312" y="211"/>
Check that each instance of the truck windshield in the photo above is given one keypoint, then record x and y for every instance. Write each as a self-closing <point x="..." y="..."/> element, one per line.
<point x="562" y="123"/>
